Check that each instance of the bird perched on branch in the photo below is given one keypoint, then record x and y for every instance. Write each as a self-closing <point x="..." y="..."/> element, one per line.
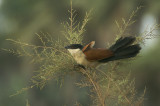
<point x="88" y="56"/>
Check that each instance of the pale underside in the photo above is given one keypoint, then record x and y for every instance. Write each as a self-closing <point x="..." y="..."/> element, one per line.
<point x="80" y="58"/>
<point x="90" y="56"/>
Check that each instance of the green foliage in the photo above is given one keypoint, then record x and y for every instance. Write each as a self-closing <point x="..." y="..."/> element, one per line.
<point x="51" y="53"/>
<point x="74" y="30"/>
<point x="123" y="29"/>
<point x="109" y="86"/>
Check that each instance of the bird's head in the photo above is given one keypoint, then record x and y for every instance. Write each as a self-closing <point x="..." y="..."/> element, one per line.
<point x="74" y="48"/>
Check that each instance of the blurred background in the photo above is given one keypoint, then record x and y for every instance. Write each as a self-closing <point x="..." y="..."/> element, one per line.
<point x="21" y="19"/>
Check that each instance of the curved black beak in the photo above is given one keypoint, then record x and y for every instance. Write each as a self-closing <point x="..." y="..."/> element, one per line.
<point x="66" y="47"/>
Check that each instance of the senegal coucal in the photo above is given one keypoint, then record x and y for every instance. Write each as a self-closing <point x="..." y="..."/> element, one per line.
<point x="88" y="56"/>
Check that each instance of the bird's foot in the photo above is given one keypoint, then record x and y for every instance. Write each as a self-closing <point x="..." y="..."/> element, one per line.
<point x="79" y="66"/>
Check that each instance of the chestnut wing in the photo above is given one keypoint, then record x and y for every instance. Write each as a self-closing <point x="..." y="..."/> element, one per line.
<point x="88" y="46"/>
<point x="94" y="54"/>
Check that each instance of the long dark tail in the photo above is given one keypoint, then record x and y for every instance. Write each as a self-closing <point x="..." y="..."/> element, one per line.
<point x="123" y="48"/>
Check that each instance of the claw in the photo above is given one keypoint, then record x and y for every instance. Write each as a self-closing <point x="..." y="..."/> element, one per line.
<point x="79" y="66"/>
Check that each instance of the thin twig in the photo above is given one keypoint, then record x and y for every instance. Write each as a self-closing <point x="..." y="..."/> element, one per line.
<point x="95" y="86"/>
<point x="30" y="45"/>
<point x="116" y="86"/>
<point x="71" y="17"/>
<point x="35" y="46"/>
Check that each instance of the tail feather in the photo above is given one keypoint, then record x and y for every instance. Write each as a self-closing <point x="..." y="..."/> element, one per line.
<point x="122" y="42"/>
<point x="130" y="51"/>
<point x="123" y="48"/>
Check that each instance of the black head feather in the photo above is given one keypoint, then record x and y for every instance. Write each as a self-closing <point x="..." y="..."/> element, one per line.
<point x="74" y="46"/>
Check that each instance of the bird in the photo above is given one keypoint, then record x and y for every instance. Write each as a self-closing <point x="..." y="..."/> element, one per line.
<point x="88" y="56"/>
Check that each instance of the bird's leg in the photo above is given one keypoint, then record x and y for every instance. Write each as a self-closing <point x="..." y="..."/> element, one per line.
<point x="79" y="66"/>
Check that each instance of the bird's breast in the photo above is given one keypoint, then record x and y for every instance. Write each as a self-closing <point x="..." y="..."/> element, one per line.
<point x="81" y="59"/>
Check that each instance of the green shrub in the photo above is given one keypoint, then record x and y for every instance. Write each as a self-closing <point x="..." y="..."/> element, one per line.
<point x="108" y="85"/>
